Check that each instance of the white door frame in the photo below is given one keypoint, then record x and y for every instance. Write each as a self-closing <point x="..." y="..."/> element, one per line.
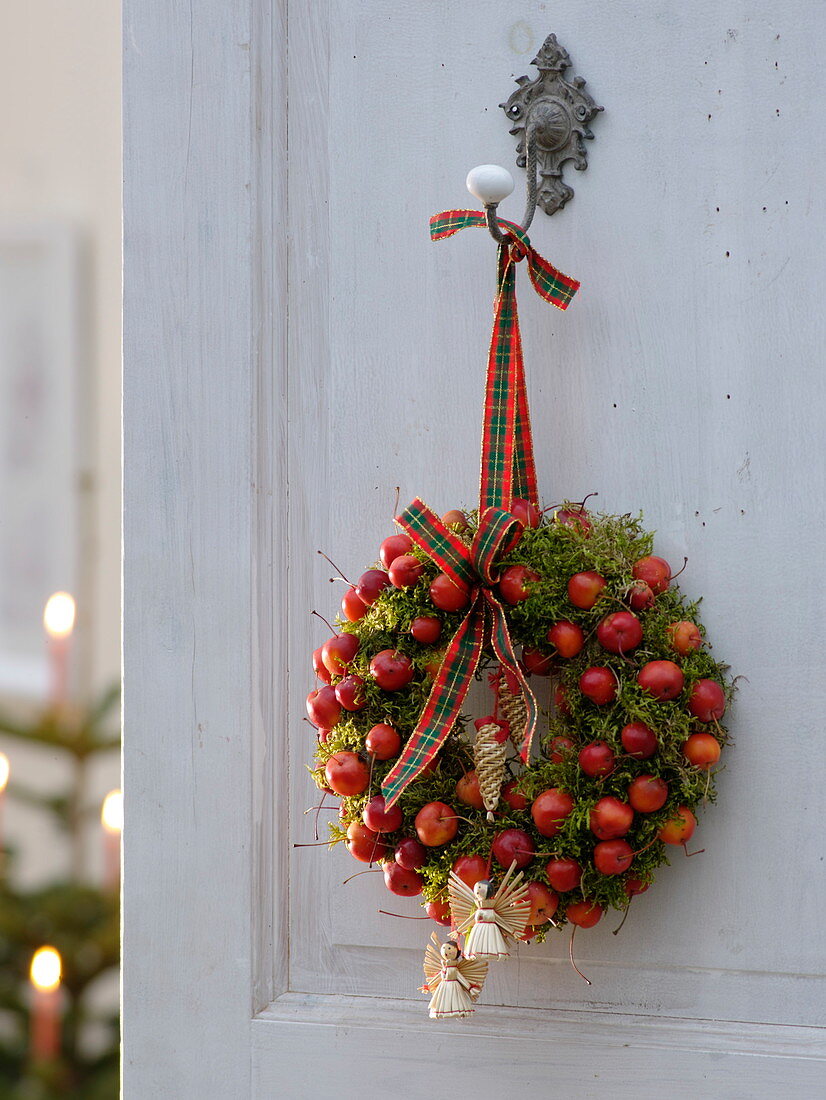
<point x="207" y="1009"/>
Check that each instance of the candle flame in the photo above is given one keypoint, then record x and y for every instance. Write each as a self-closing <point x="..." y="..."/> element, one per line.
<point x="5" y="769"/>
<point x="46" y="969"/>
<point x="59" y="615"/>
<point x="111" y="812"/>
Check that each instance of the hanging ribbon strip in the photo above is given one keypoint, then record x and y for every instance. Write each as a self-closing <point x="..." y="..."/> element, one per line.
<point x="507" y="472"/>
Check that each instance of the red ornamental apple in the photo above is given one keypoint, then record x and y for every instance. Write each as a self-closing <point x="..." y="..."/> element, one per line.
<point x="338" y="651"/>
<point x="363" y="844"/>
<point x="662" y="679"/>
<point x="383" y="742"/>
<point x="598" y="684"/>
<point x="648" y="793"/>
<point x="436" y="823"/>
<point x="457" y="520"/>
<point x="549" y="810"/>
<point x="391" y="670"/>
<point x="448" y="596"/>
<point x="323" y="708"/>
<point x="323" y="735"/>
<point x="319" y="668"/>
<point x="584" y="589"/>
<point x="515" y="583"/>
<point x="467" y="790"/>
<point x="471" y="869"/>
<point x="597" y="759"/>
<point x="410" y="853"/>
<point x="639" y="740"/>
<point x="405" y="571"/>
<point x="567" y="638"/>
<point x="575" y="518"/>
<point x="684" y="636"/>
<point x="619" y="632"/>
<point x="426" y="629"/>
<point x="528" y="514"/>
<point x="513" y="845"/>
<point x="561" y="700"/>
<point x="399" y="880"/>
<point x="655" y="572"/>
<point x="347" y="773"/>
<point x="613" y="857"/>
<point x="640" y="596"/>
<point x="393" y="547"/>
<point x="439" y="911"/>
<point x="379" y="819"/>
<point x="702" y="750"/>
<point x="543" y="904"/>
<point x="584" y="914"/>
<point x="352" y="606"/>
<point x="536" y="661"/>
<point x="707" y="701"/>
<point x="435" y="663"/>
<point x="633" y="886"/>
<point x="563" y="874"/>
<point x="371" y="585"/>
<point x="611" y="818"/>
<point x="350" y="693"/>
<point x="680" y="828"/>
<point x="559" y="748"/>
<point x="514" y="798"/>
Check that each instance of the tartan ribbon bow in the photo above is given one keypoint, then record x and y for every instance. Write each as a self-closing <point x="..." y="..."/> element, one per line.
<point x="507" y="472"/>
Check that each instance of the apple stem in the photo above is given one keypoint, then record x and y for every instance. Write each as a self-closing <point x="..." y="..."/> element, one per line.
<point x="369" y="871"/>
<point x="401" y="916"/>
<point x="571" y="956"/>
<point x="332" y="628"/>
<point x="675" y="575"/>
<point x="624" y="919"/>
<point x="330" y="560"/>
<point x="688" y="854"/>
<point x="318" y="844"/>
<point x="646" y="846"/>
<point x="395" y="513"/>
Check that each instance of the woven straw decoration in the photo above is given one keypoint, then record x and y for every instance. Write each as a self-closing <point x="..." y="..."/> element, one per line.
<point x="512" y="705"/>
<point x="489" y="760"/>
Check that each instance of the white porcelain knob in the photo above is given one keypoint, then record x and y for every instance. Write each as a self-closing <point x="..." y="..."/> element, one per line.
<point x="489" y="183"/>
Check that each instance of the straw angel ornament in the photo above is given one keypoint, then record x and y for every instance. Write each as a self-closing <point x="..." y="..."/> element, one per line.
<point x="455" y="982"/>
<point x="488" y="920"/>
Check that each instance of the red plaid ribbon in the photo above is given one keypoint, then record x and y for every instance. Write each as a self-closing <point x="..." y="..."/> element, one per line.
<point x="508" y="471"/>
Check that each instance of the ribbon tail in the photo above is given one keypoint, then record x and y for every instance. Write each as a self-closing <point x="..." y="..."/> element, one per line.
<point x="443" y="706"/>
<point x="503" y="648"/>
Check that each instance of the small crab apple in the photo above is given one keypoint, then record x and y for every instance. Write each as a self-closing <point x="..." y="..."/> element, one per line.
<point x="513" y="845"/>
<point x="561" y="702"/>
<point x="439" y="911"/>
<point x="383" y="741"/>
<point x="549" y="810"/>
<point x="662" y="679"/>
<point x="353" y="607"/>
<point x="410" y="853"/>
<point x="405" y="571"/>
<point x="544" y="904"/>
<point x="471" y="869"/>
<point x="338" y="651"/>
<point x="347" y="774"/>
<point x="599" y="684"/>
<point x="655" y="572"/>
<point x="512" y="797"/>
<point x="634" y="886"/>
<point x="619" y="632"/>
<point x="536" y="661"/>
<point x="640" y="596"/>
<point x="639" y="740"/>
<point x="435" y="663"/>
<point x="371" y="584"/>
<point x="613" y="857"/>
<point x="684" y="636"/>
<point x="380" y="819"/>
<point x="702" y="750"/>
<point x="350" y="693"/>
<point x="563" y="874"/>
<point x="575" y="518"/>
<point x="584" y="589"/>
<point x="391" y="670"/>
<point x="610" y="818"/>
<point x="679" y="829"/>
<point x="393" y="547"/>
<point x="323" y="707"/>
<point x="515" y="583"/>
<point x="363" y="844"/>
<point x="648" y="793"/>
<point x="559" y="748"/>
<point x="597" y="759"/>
<point x="707" y="701"/>
<point x="457" y="520"/>
<point x="567" y="638"/>
<point x="467" y="790"/>
<point x="401" y="880"/>
<point x="447" y="595"/>
<point x="436" y="823"/>
<point x="426" y="629"/>
<point x="528" y="514"/>
<point x="584" y="914"/>
<point x="319" y="668"/>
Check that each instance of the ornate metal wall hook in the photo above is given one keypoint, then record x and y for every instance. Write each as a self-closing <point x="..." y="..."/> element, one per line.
<point x="551" y="114"/>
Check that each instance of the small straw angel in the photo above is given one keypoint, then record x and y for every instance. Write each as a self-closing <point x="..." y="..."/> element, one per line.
<point x="454" y="982"/>
<point x="488" y="920"/>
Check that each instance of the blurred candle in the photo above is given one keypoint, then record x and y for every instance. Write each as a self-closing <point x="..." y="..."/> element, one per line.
<point x="45" y="1018"/>
<point x="59" y="621"/>
<point x="111" y="817"/>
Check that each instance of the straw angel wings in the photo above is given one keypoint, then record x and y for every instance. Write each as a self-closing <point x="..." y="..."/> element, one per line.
<point x="489" y="921"/>
<point x="454" y="982"/>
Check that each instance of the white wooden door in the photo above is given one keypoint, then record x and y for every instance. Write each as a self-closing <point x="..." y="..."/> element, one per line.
<point x="295" y="348"/>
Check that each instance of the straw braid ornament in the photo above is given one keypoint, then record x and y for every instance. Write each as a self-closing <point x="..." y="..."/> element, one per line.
<point x="489" y="752"/>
